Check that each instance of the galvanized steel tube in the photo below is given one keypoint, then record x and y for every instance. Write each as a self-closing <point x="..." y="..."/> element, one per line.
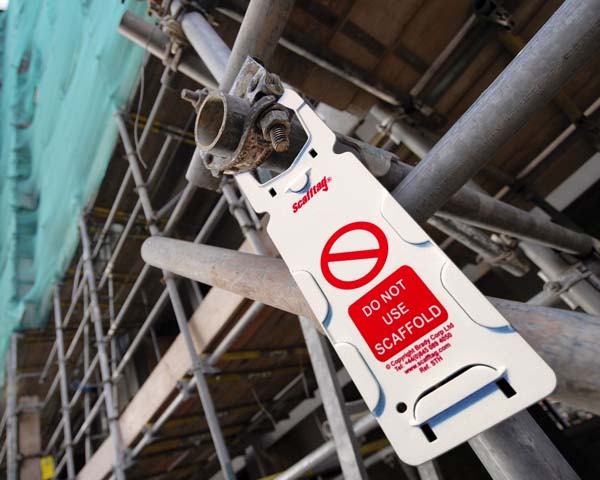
<point x="417" y="141"/>
<point x="141" y="333"/>
<point x="96" y="314"/>
<point x="50" y="359"/>
<point x="566" y="340"/>
<point x="318" y="456"/>
<point x="89" y="418"/>
<point x="511" y="450"/>
<point x="64" y="390"/>
<point x="54" y="437"/>
<point x="182" y="203"/>
<point x="165" y="85"/>
<point x="334" y="404"/>
<point x="124" y="185"/>
<point x="88" y="368"/>
<point x="258" y="35"/>
<point x="567" y="40"/>
<point x="480" y="210"/>
<point x="150" y="38"/>
<point x="12" y="427"/>
<point x="233" y="334"/>
<point x="210" y="47"/>
<point x="351" y="73"/>
<point x="238" y="210"/>
<point x="202" y="385"/>
<point x="468" y="205"/>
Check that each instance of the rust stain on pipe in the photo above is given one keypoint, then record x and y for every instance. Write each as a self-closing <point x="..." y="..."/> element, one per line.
<point x="568" y="341"/>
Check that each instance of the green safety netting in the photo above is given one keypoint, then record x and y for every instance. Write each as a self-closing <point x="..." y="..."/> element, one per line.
<point x="64" y="70"/>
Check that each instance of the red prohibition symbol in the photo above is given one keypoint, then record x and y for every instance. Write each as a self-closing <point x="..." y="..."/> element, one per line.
<point x="380" y="254"/>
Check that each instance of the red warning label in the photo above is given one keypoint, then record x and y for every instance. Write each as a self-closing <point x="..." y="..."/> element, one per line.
<point x="396" y="313"/>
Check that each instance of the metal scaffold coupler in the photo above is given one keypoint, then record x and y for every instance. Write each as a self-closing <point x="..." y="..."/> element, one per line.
<point x="184" y="387"/>
<point x="237" y="131"/>
<point x="127" y="458"/>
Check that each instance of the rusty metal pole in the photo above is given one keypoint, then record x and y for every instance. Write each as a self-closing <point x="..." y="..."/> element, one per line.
<point x="243" y="274"/>
<point x="571" y="350"/>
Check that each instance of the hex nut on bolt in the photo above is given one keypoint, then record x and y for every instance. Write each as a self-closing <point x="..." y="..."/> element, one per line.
<point x="275" y="127"/>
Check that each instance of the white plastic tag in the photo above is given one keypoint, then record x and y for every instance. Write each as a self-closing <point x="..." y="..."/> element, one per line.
<point x="434" y="361"/>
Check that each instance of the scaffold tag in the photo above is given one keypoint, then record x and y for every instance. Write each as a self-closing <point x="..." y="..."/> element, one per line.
<point x="435" y="362"/>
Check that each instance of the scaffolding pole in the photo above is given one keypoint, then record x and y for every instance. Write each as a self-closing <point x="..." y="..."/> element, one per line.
<point x="561" y="46"/>
<point x="197" y="365"/>
<point x="468" y="205"/>
<point x="346" y="445"/>
<point x="212" y="360"/>
<point x="87" y="402"/>
<point x="221" y="349"/>
<point x="259" y="32"/>
<point x="215" y="54"/>
<point x="568" y="39"/>
<point x="579" y="289"/>
<point x="514" y="434"/>
<point x="64" y="391"/>
<point x="50" y="360"/>
<point x="96" y="314"/>
<point x="156" y="168"/>
<point x="12" y="462"/>
<point x="325" y="451"/>
<point x="113" y="339"/>
<point x="233" y="334"/>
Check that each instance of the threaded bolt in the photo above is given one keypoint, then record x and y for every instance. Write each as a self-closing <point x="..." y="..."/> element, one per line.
<point x="279" y="138"/>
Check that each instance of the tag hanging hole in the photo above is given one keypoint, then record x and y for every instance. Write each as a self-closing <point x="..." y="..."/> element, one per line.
<point x="506" y="388"/>
<point x="428" y="432"/>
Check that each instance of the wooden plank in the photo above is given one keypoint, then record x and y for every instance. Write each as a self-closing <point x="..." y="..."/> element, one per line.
<point x="214" y="314"/>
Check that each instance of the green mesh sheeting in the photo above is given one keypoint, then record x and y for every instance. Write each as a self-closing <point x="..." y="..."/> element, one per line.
<point x="64" y="71"/>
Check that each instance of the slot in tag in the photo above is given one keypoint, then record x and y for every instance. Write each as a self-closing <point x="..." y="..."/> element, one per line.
<point x="402" y="317"/>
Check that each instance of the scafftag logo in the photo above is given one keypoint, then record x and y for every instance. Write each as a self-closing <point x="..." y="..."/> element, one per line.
<point x="321" y="186"/>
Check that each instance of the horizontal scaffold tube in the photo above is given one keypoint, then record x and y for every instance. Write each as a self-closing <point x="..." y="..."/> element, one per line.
<point x="156" y="42"/>
<point x="568" y="341"/>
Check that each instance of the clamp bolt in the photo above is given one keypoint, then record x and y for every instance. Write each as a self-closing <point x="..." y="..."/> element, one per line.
<point x="279" y="138"/>
<point x="195" y="97"/>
